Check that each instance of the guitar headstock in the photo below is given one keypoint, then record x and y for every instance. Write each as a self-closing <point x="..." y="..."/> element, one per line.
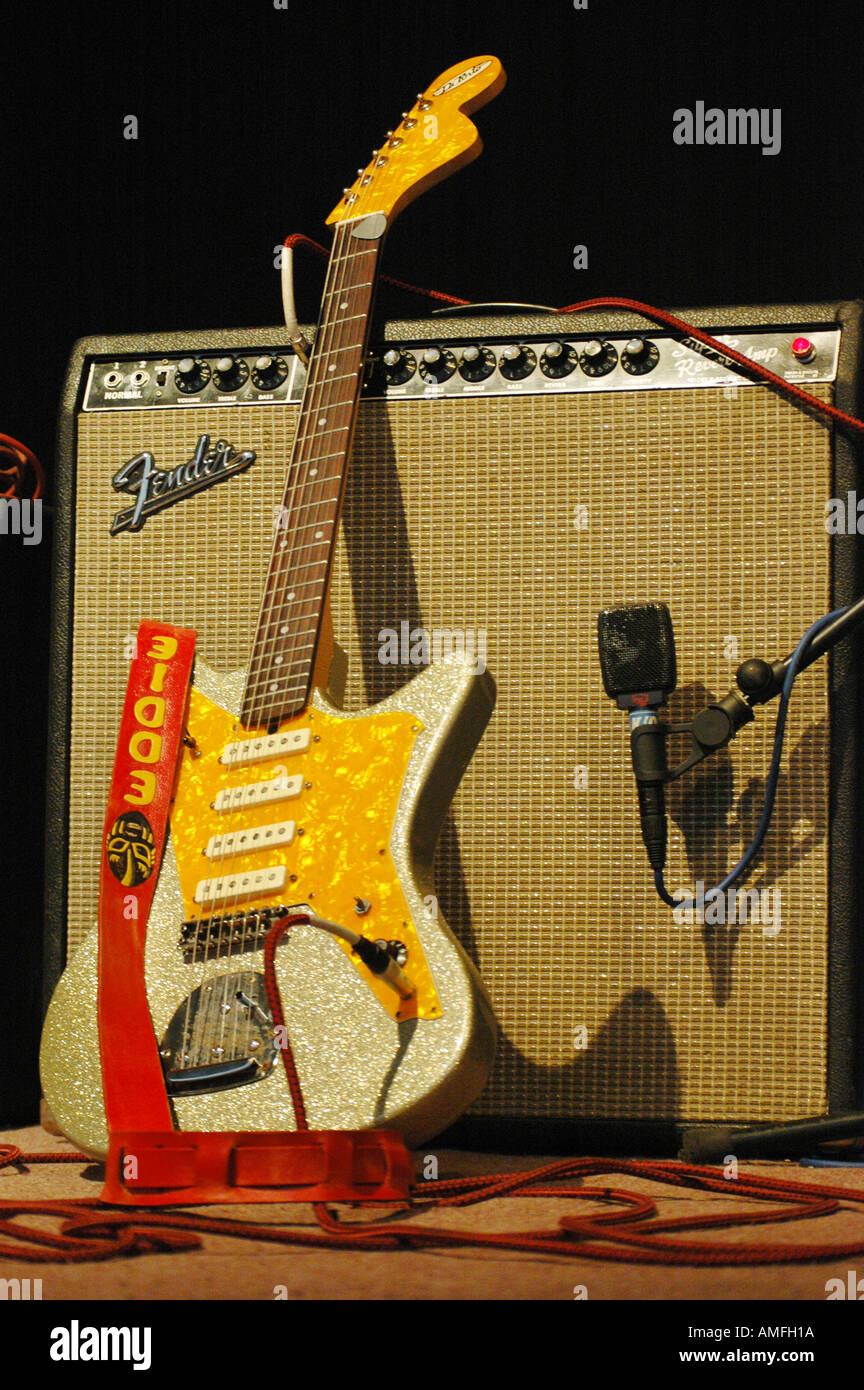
<point x="434" y="138"/>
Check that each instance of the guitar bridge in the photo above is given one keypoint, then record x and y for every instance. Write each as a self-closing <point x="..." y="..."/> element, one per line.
<point x="211" y="937"/>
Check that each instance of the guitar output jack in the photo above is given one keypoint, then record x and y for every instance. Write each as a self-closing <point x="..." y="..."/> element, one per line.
<point x="397" y="949"/>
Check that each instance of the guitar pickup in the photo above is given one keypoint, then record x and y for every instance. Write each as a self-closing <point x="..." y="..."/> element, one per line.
<point x="211" y="890"/>
<point x="258" y="793"/>
<point x="256" y="750"/>
<point x="247" y="841"/>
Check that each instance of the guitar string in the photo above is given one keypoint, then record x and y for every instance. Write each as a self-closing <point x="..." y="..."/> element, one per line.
<point x="335" y="340"/>
<point x="297" y="485"/>
<point x="285" y="557"/>
<point x="230" y="906"/>
<point x="278" y="593"/>
<point x="213" y="938"/>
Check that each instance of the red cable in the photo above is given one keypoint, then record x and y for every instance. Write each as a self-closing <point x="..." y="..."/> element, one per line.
<point x="271" y="985"/>
<point x="298" y="239"/>
<point x="90" y="1230"/>
<point x="794" y="393"/>
<point x="24" y="458"/>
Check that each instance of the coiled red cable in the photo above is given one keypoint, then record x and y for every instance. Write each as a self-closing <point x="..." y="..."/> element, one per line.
<point x="14" y="481"/>
<point x="633" y="1231"/>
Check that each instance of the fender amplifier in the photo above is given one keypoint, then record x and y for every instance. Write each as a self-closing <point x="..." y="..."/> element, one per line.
<point x="511" y="477"/>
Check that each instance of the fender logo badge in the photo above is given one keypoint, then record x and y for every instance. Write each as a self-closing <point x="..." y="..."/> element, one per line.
<point x="155" y="488"/>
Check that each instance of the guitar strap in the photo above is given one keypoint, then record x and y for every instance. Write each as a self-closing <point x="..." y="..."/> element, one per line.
<point x="136" y="822"/>
<point x="150" y="1162"/>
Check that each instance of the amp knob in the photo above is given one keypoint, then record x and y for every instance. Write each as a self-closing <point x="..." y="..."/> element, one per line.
<point x="192" y="375"/>
<point x="269" y="372"/>
<point x="639" y="356"/>
<point x="230" y="373"/>
<point x="477" y="363"/>
<point x="517" y="362"/>
<point x="597" y="358"/>
<point x="558" y="360"/>
<point x="399" y="366"/>
<point x="437" y="364"/>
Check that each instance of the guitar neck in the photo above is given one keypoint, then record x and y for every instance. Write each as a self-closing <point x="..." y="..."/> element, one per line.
<point x="435" y="137"/>
<point x="280" y="674"/>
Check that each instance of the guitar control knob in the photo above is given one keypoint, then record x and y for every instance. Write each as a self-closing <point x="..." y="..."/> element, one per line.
<point x="269" y="372"/>
<point x="517" y="362"/>
<point x="639" y="356"/>
<point x="191" y="375"/>
<point x="558" y="360"/>
<point x="598" y="358"/>
<point x="477" y="363"/>
<point x="230" y="373"/>
<point x="437" y="364"/>
<point x="399" y="366"/>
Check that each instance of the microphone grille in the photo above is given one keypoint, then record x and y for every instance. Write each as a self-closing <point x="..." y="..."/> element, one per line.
<point x="637" y="649"/>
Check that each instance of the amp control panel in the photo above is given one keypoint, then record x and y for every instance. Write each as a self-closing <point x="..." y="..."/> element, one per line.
<point x="454" y="366"/>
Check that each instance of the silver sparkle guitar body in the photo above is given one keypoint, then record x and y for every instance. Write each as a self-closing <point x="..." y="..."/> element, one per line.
<point x="359" y="1066"/>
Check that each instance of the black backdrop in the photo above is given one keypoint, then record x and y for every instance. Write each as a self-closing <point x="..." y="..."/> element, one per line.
<point x="251" y="119"/>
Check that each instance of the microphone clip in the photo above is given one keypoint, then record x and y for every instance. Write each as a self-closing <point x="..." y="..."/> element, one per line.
<point x="711" y="730"/>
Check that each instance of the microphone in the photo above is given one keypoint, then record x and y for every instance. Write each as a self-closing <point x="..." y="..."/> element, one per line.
<point x="637" y="659"/>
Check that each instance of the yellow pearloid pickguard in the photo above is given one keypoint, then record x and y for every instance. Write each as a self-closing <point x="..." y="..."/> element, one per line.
<point x="353" y="770"/>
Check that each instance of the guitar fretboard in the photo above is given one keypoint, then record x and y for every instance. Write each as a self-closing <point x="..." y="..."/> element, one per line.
<point x="283" y="656"/>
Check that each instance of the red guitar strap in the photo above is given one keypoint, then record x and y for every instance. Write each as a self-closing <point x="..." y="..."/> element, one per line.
<point x="149" y="1162"/>
<point x="151" y="729"/>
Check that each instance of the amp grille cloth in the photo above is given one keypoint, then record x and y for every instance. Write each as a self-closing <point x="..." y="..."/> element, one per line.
<point x="522" y="518"/>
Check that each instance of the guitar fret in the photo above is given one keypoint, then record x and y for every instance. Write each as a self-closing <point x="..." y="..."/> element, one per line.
<point x="303" y="632"/>
<point x="304" y="584"/>
<point x="332" y="429"/>
<point x="286" y="685"/>
<point x="322" y="458"/>
<point x="329" y="294"/>
<point x="301" y="506"/>
<point x="307" y="647"/>
<point x="310" y="564"/>
<point x="347" y="319"/>
<point x="307" y="545"/>
<point x="290" y="669"/>
<point x="291" y="675"/>
<point x="275" y="622"/>
<point x="328" y="380"/>
<point x="307" y="525"/>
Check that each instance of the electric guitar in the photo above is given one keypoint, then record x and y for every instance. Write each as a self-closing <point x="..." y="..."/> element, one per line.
<point x="283" y="799"/>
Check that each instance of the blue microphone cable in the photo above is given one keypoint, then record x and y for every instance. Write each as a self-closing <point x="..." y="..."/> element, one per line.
<point x="755" y="845"/>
